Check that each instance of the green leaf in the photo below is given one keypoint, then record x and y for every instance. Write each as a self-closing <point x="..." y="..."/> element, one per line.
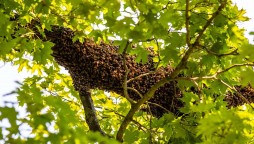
<point x="7" y="46"/>
<point x="131" y="136"/>
<point x="170" y="55"/>
<point x="43" y="52"/>
<point x="10" y="114"/>
<point x="141" y="54"/>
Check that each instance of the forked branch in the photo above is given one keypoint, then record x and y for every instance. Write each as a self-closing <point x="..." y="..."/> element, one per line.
<point x="173" y="75"/>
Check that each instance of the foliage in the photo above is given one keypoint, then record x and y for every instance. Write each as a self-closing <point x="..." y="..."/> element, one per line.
<point x="200" y="39"/>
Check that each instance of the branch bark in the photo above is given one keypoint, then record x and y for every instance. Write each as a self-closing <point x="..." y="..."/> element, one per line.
<point x="90" y="112"/>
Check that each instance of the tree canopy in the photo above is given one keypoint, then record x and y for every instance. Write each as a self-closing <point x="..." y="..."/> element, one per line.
<point x="137" y="71"/>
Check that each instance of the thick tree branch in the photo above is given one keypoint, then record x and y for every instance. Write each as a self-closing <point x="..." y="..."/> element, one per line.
<point x="174" y="74"/>
<point x="90" y="112"/>
<point x="136" y="107"/>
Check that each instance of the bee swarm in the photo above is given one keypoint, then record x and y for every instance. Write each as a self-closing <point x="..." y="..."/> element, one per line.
<point x="94" y="66"/>
<point x="100" y="66"/>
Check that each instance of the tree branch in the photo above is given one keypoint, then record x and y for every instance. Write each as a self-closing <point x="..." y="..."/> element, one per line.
<point x="159" y="106"/>
<point x="174" y="74"/>
<point x="134" y="121"/>
<point x="90" y="113"/>
<point x="136" y="107"/>
<point x="234" y="52"/>
<point x="136" y="91"/>
<point x="200" y="34"/>
<point x="216" y="74"/>
<point x="233" y="66"/>
<point x="140" y="76"/>
<point x="125" y="91"/>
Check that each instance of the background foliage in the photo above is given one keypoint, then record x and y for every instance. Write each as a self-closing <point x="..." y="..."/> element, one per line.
<point x="220" y="57"/>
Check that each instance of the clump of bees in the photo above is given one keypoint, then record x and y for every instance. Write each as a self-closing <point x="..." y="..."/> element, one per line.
<point x="100" y="66"/>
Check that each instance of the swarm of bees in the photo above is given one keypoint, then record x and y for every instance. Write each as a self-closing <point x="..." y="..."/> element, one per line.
<point x="100" y="66"/>
<point x="234" y="99"/>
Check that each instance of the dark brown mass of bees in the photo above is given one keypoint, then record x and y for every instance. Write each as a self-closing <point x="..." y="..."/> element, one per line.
<point x="234" y="100"/>
<point x="100" y="66"/>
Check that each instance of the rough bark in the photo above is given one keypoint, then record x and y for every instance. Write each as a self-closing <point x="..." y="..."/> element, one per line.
<point x="90" y="112"/>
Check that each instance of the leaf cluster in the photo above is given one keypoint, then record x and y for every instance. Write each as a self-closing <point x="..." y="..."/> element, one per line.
<point x="199" y="39"/>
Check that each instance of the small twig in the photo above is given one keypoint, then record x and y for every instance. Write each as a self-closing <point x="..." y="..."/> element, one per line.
<point x="234" y="52"/>
<point x="10" y="102"/>
<point x="136" y="91"/>
<point x="140" y="76"/>
<point x="134" y="121"/>
<point x="160" y="106"/>
<point x="197" y="78"/>
<point x="141" y="96"/>
<point x="199" y="90"/>
<point x="63" y="98"/>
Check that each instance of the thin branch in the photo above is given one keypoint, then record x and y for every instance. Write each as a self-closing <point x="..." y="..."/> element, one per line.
<point x="200" y="34"/>
<point x="141" y="96"/>
<point x="63" y="98"/>
<point x="197" y="78"/>
<point x="185" y="58"/>
<point x="125" y="91"/>
<point x="233" y="66"/>
<point x="234" y="52"/>
<point x="159" y="106"/>
<point x="216" y="74"/>
<point x="136" y="91"/>
<point x="134" y="121"/>
<point x="140" y="76"/>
